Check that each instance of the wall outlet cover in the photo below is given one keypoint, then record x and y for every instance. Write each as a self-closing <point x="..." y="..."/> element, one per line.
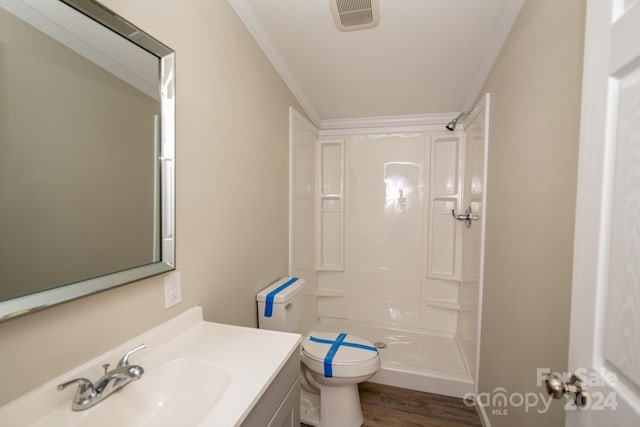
<point x="172" y="289"/>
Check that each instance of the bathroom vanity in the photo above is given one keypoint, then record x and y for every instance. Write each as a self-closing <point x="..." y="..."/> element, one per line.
<point x="196" y="373"/>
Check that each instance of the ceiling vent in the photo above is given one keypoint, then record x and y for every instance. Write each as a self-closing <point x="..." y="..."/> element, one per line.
<point x="355" y="14"/>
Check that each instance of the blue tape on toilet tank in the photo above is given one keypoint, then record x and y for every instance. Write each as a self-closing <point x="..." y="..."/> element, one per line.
<point x="268" y="305"/>
<point x="335" y="345"/>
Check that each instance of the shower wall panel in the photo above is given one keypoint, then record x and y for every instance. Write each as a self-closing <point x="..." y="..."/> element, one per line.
<point x="385" y="225"/>
<point x="330" y="190"/>
<point x="302" y="193"/>
<point x="473" y="197"/>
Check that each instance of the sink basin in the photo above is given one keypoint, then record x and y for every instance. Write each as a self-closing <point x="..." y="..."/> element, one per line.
<point x="178" y="392"/>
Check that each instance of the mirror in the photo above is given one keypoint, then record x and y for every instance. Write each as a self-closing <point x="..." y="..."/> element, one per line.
<point x="87" y="108"/>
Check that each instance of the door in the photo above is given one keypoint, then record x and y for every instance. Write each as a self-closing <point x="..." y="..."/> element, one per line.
<point x="605" y="312"/>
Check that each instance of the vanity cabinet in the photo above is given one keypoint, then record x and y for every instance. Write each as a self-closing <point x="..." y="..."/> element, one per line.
<point x="279" y="406"/>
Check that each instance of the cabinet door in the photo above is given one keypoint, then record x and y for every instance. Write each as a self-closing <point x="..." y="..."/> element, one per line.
<point x="288" y="414"/>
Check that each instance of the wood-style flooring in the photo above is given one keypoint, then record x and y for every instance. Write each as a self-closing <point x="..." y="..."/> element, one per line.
<point x="384" y="405"/>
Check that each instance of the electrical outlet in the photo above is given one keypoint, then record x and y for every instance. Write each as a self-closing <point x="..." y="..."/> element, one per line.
<point x="172" y="289"/>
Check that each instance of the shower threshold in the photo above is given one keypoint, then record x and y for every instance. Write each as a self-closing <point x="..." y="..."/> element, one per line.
<point x="414" y="359"/>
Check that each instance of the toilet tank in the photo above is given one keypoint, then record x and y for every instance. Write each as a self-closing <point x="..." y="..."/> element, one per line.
<point x="280" y="305"/>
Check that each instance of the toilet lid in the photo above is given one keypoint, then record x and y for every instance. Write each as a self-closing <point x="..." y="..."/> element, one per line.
<point x="347" y="349"/>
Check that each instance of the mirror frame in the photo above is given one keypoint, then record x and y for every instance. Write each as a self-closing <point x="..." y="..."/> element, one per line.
<point x="165" y="197"/>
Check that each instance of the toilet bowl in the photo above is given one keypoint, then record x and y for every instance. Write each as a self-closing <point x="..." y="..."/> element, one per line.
<point x="333" y="363"/>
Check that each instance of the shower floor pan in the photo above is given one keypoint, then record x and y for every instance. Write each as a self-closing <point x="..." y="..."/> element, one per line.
<point x="413" y="359"/>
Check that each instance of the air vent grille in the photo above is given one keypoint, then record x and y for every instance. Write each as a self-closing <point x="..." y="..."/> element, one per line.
<point x="355" y="14"/>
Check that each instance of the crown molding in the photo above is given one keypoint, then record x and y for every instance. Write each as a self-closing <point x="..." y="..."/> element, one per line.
<point x="295" y="114"/>
<point x="251" y="22"/>
<point x="507" y="20"/>
<point x="385" y="124"/>
<point x="389" y="121"/>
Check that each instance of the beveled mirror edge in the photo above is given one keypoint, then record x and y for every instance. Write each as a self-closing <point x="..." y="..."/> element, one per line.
<point x="118" y="24"/>
<point x="19" y="306"/>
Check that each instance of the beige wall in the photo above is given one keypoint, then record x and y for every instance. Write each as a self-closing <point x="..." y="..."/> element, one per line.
<point x="535" y="106"/>
<point x="232" y="197"/>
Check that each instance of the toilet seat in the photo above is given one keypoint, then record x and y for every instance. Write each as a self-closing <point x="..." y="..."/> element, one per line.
<point x="352" y="356"/>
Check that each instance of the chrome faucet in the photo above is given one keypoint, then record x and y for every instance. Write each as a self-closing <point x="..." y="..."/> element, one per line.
<point x="88" y="394"/>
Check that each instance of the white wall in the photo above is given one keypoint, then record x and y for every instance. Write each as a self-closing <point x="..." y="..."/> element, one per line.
<point x="232" y="198"/>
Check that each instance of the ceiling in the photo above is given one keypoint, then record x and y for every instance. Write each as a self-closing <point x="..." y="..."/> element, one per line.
<point x="425" y="57"/>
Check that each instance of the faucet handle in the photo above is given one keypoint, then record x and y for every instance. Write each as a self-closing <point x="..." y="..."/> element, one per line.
<point x="85" y="386"/>
<point x="125" y="359"/>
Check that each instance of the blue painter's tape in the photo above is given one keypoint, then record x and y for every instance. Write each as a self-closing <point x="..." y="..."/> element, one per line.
<point x="335" y="345"/>
<point x="346" y="344"/>
<point x="328" y="359"/>
<point x="268" y="306"/>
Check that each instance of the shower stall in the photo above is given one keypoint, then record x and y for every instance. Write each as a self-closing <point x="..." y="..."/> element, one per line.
<point x="386" y="227"/>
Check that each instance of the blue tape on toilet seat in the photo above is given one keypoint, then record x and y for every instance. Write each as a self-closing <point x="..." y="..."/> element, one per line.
<point x="268" y="305"/>
<point x="328" y="360"/>
<point x="346" y="344"/>
<point x="335" y="345"/>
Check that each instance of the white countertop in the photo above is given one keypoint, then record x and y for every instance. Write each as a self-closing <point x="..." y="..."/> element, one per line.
<point x="243" y="363"/>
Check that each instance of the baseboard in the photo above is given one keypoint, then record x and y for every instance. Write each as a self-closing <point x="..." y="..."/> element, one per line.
<point x="483" y="414"/>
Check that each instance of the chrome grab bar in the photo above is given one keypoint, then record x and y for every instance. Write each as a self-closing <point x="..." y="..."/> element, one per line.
<point x="467" y="217"/>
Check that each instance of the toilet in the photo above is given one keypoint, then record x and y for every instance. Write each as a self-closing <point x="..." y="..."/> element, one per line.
<point x="333" y="363"/>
